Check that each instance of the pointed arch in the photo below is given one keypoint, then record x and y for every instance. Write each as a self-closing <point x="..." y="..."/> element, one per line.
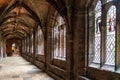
<point x="95" y="32"/>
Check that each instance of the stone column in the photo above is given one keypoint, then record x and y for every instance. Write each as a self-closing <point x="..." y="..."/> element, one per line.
<point x="117" y="57"/>
<point x="79" y="24"/>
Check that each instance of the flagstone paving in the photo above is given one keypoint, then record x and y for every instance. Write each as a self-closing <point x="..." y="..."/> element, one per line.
<point x="17" y="68"/>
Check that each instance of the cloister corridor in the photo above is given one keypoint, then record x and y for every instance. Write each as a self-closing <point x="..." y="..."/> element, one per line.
<point x="59" y="39"/>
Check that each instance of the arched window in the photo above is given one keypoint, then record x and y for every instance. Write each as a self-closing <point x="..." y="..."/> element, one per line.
<point x="110" y="36"/>
<point x="97" y="39"/>
<point x="102" y="35"/>
<point x="59" y="38"/>
<point x="40" y="41"/>
<point x="95" y="33"/>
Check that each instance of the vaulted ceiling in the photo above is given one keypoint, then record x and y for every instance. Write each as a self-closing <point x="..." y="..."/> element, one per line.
<point x="18" y="18"/>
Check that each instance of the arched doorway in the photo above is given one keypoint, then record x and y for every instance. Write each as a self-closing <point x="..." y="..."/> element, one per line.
<point x="13" y="46"/>
<point x="15" y="49"/>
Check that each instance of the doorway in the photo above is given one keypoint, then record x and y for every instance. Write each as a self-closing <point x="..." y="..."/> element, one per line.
<point x="15" y="49"/>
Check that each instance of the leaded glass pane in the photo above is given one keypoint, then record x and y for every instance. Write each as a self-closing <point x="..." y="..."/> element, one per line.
<point x="56" y="32"/>
<point x="59" y="35"/>
<point x="97" y="39"/>
<point x="110" y="36"/>
<point x="65" y="42"/>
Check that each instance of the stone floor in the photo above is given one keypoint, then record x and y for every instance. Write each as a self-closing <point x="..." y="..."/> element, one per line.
<point x="17" y="68"/>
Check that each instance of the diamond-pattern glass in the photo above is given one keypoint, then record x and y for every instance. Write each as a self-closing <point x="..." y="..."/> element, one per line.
<point x="110" y="36"/>
<point x="97" y="50"/>
<point x="110" y="49"/>
<point x="97" y="39"/>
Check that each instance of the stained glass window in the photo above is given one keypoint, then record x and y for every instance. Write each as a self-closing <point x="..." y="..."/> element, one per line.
<point x="110" y="36"/>
<point x="97" y="39"/>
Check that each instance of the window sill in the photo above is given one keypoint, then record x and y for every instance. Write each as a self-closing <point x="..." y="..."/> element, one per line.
<point x="108" y="68"/>
<point x="118" y="70"/>
<point x="39" y="54"/>
<point x="94" y="65"/>
<point x="104" y="67"/>
<point x="59" y="58"/>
